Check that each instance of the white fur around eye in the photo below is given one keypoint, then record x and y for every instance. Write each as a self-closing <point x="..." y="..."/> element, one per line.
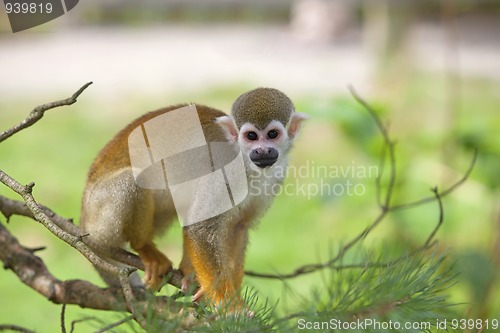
<point x="278" y="127"/>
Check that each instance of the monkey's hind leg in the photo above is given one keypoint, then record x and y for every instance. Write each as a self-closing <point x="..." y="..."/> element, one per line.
<point x="140" y="231"/>
<point x="189" y="283"/>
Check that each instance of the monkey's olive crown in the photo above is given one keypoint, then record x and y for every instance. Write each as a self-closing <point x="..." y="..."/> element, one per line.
<point x="260" y="106"/>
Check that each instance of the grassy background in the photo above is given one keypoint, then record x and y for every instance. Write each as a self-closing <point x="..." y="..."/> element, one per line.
<point x="434" y="148"/>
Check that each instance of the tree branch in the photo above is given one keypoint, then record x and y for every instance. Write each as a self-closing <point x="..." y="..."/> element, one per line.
<point x="32" y="271"/>
<point x="38" y="213"/>
<point x="441" y="216"/>
<point x="390" y="149"/>
<point x="37" y="113"/>
<point x="116" y="324"/>
<point x="9" y="207"/>
<point x="15" y="328"/>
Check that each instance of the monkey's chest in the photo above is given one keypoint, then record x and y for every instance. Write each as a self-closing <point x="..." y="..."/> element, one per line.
<point x="261" y="192"/>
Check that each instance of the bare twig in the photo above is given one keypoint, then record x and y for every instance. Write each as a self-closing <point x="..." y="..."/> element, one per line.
<point x="378" y="179"/>
<point x="388" y="143"/>
<point x="441" y="216"/>
<point x="37" y="113"/>
<point x="9" y="207"/>
<point x="63" y="318"/>
<point x="113" y="325"/>
<point x="130" y="299"/>
<point x="15" y="328"/>
<point x="77" y="321"/>
<point x="36" y="249"/>
<point x="314" y="267"/>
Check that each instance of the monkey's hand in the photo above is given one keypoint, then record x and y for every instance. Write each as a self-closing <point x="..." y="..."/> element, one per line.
<point x="156" y="265"/>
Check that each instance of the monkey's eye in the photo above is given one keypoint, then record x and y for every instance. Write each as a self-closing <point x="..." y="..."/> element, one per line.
<point x="252" y="136"/>
<point x="272" y="134"/>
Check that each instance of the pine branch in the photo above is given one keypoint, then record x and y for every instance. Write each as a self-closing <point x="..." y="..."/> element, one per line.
<point x="407" y="291"/>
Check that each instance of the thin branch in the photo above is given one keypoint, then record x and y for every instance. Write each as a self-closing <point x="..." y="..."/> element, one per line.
<point x="15" y="328"/>
<point x="116" y="324"/>
<point x="81" y="320"/>
<point x="314" y="267"/>
<point x="388" y="143"/>
<point x="36" y="249"/>
<point x="441" y="216"/>
<point x="378" y="179"/>
<point x="130" y="299"/>
<point x="9" y="207"/>
<point x="63" y="318"/>
<point x="37" y="113"/>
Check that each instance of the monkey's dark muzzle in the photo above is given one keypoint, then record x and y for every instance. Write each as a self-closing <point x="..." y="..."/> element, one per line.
<point x="264" y="157"/>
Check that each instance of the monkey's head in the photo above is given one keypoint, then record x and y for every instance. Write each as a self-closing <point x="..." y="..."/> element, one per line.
<point x="263" y="123"/>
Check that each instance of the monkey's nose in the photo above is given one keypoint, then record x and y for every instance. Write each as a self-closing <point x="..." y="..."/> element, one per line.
<point x="264" y="157"/>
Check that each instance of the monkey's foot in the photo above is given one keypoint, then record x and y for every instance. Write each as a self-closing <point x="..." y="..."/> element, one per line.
<point x="198" y="295"/>
<point x="189" y="285"/>
<point x="156" y="265"/>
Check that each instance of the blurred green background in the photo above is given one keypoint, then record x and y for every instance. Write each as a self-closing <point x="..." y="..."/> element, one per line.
<point x="431" y="69"/>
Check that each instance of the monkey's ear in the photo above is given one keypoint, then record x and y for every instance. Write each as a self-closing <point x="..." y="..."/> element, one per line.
<point x="295" y="122"/>
<point x="228" y="125"/>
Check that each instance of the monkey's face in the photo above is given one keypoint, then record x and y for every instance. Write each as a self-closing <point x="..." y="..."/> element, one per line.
<point x="263" y="147"/>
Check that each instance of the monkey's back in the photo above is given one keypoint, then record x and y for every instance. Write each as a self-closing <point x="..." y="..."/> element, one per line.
<point x="115" y="155"/>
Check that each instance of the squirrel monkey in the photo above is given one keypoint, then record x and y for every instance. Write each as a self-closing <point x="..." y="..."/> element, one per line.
<point x="116" y="211"/>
